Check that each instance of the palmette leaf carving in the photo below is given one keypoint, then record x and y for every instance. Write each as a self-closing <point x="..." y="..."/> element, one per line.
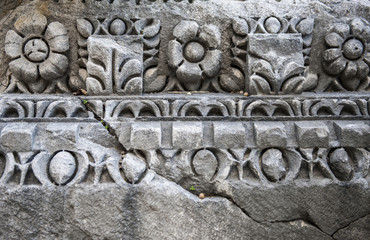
<point x="113" y="68"/>
<point x="293" y="85"/>
<point x="259" y="85"/>
<point x="264" y="69"/>
<point x="291" y="69"/>
<point x="99" y="68"/>
<point x="266" y="80"/>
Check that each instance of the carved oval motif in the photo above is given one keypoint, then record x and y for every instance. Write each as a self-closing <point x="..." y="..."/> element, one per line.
<point x="117" y="27"/>
<point x="133" y="167"/>
<point x="62" y="167"/>
<point x="240" y="26"/>
<point x="84" y="27"/>
<point x="339" y="163"/>
<point x="205" y="164"/>
<point x="272" y="25"/>
<point x="273" y="165"/>
<point x="234" y="81"/>
<point x="305" y="26"/>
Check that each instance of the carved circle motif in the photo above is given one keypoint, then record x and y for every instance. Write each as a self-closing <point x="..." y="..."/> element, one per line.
<point x="353" y="49"/>
<point x="194" y="52"/>
<point x="117" y="27"/>
<point x="272" y="25"/>
<point x="36" y="50"/>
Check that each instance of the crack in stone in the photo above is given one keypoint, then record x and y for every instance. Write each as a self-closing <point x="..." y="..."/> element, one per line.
<point x="231" y="200"/>
<point x="307" y="221"/>
<point x="106" y="125"/>
<point x="111" y="131"/>
<point x="347" y="225"/>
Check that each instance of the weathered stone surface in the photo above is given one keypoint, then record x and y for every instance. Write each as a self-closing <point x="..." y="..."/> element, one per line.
<point x="270" y="135"/>
<point x="273" y="164"/>
<point x="229" y="135"/>
<point x="275" y="71"/>
<point x="359" y="229"/>
<point x="18" y="137"/>
<point x="205" y="164"/>
<point x="143" y="211"/>
<point x="62" y="167"/>
<point x="303" y="202"/>
<point x="55" y="135"/>
<point x="187" y="135"/>
<point x="340" y="164"/>
<point x="146" y="136"/>
<point x="133" y="167"/>
<point x="353" y="134"/>
<point x="312" y="135"/>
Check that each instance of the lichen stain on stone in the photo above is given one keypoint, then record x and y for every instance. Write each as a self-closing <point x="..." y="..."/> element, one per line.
<point x="44" y="8"/>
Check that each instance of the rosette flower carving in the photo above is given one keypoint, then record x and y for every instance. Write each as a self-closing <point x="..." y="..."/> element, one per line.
<point x="36" y="50"/>
<point x="194" y="53"/>
<point x="348" y="53"/>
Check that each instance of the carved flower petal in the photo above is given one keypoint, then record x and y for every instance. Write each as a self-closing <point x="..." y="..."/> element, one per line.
<point x="57" y="37"/>
<point x="367" y="58"/>
<point x="190" y="75"/>
<point x="240" y="26"/>
<point x="31" y="24"/>
<point x="54" y="67"/>
<point x="336" y="66"/>
<point x="211" y="63"/>
<point x="334" y="40"/>
<point x="342" y="29"/>
<point x="366" y="33"/>
<point x="362" y="70"/>
<point x="211" y="35"/>
<point x="24" y="70"/>
<point x="332" y="54"/>
<point x="291" y="69"/>
<point x="264" y="68"/>
<point x="185" y="31"/>
<point x="175" y="55"/>
<point x="357" y="26"/>
<point x="13" y="44"/>
<point x="350" y="71"/>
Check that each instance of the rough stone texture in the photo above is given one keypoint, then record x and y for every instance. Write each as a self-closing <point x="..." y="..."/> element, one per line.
<point x="310" y="135"/>
<point x="359" y="229"/>
<point x="184" y="119"/>
<point x="268" y="135"/>
<point x="146" y="211"/>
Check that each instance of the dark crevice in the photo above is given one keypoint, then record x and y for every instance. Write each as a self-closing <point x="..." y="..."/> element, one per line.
<point x="347" y="225"/>
<point x="231" y="200"/>
<point x="310" y="222"/>
<point x="109" y="129"/>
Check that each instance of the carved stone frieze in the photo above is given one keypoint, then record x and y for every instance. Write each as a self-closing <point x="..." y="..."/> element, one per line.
<point x="184" y="119"/>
